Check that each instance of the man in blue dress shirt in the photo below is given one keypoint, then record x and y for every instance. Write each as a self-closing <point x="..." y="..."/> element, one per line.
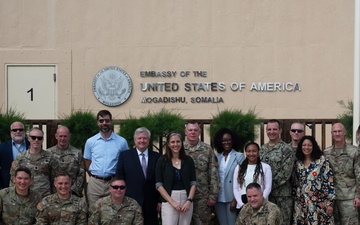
<point x="101" y="155"/>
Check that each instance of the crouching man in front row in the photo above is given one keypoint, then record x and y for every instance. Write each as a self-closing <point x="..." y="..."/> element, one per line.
<point x="116" y="208"/>
<point x="18" y="204"/>
<point x="258" y="210"/>
<point x="62" y="207"/>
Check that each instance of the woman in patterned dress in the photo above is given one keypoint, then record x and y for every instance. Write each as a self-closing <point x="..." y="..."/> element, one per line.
<point x="313" y="185"/>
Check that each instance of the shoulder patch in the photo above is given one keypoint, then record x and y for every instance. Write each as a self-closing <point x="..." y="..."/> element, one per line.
<point x="38" y="206"/>
<point x="14" y="165"/>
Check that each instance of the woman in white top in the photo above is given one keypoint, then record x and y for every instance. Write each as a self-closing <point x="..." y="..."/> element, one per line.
<point x="249" y="171"/>
<point x="227" y="144"/>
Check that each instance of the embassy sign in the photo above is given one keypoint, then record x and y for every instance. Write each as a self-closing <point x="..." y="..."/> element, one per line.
<point x="112" y="86"/>
<point x="167" y="91"/>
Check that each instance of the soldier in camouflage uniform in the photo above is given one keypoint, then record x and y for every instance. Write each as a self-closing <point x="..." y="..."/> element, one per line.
<point x="296" y="133"/>
<point x="207" y="175"/>
<point x="345" y="161"/>
<point x="258" y="210"/>
<point x="39" y="161"/>
<point x="68" y="158"/>
<point x="18" y="204"/>
<point x="281" y="159"/>
<point x="62" y="208"/>
<point x="116" y="208"/>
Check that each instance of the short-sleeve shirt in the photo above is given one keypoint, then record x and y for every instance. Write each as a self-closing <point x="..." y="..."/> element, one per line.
<point x="104" y="154"/>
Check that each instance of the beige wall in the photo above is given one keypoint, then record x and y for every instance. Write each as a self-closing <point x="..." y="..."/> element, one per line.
<point x="304" y="41"/>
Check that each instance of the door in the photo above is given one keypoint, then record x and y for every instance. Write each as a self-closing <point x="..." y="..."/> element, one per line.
<point x="31" y="89"/>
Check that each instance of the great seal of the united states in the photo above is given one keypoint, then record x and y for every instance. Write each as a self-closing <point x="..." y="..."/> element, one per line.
<point x="112" y="86"/>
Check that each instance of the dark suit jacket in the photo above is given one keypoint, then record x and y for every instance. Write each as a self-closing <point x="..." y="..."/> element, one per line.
<point x="141" y="189"/>
<point x="6" y="158"/>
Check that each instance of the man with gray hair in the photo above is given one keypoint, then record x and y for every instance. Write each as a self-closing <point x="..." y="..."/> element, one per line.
<point x="137" y="167"/>
<point x="10" y="149"/>
<point x="207" y="173"/>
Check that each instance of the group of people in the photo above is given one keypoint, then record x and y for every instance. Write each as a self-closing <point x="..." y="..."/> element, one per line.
<point x="309" y="186"/>
<point x="288" y="183"/>
<point x="180" y="185"/>
<point x="277" y="183"/>
<point x="125" y="186"/>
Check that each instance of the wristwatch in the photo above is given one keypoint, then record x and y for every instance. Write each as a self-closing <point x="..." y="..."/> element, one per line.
<point x="189" y="199"/>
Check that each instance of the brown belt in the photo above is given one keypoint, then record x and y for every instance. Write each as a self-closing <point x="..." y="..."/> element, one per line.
<point x="102" y="178"/>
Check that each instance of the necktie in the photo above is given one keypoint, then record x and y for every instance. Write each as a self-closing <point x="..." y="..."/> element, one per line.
<point x="143" y="163"/>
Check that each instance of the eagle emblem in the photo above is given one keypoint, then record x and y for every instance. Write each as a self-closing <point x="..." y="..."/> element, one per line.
<point x="112" y="86"/>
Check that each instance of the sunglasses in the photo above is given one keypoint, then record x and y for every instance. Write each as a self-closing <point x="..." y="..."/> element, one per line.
<point x="121" y="187"/>
<point x="296" y="130"/>
<point x="106" y="120"/>
<point x="36" y="137"/>
<point x="18" y="129"/>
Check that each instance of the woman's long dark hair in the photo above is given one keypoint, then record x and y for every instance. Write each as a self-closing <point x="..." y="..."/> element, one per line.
<point x="316" y="152"/>
<point x="258" y="169"/>
<point x="168" y="153"/>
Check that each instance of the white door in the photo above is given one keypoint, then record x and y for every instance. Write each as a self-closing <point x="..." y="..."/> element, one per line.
<point x="31" y="89"/>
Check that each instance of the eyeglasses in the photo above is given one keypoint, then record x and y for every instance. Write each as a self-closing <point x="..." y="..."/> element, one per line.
<point x="121" y="187"/>
<point x="36" y="137"/>
<point x="226" y="141"/>
<point x="18" y="129"/>
<point x="297" y="130"/>
<point x="106" y="120"/>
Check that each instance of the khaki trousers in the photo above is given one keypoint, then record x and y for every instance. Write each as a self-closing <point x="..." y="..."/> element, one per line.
<point x="97" y="189"/>
<point x="171" y="216"/>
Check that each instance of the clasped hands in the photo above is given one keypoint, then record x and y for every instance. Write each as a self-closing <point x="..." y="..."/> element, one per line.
<point x="182" y="208"/>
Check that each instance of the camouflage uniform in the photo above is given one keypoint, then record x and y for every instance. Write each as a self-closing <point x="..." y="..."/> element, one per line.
<point x="268" y="214"/>
<point x="281" y="159"/>
<point x="207" y="178"/>
<point x="346" y="167"/>
<point x="53" y="210"/>
<point x="40" y="170"/>
<point x="293" y="148"/>
<point x="105" y="212"/>
<point x="17" y="210"/>
<point x="71" y="161"/>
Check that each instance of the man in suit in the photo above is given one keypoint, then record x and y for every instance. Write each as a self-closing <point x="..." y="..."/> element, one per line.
<point x="10" y="149"/>
<point x="140" y="178"/>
